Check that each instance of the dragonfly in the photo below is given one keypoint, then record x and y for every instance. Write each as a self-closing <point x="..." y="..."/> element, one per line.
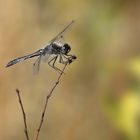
<point x="55" y="49"/>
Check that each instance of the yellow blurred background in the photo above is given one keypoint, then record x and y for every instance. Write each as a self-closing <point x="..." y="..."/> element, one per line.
<point x="99" y="96"/>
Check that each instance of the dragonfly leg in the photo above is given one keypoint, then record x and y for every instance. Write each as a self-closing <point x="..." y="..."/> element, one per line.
<point x="53" y="64"/>
<point x="69" y="57"/>
<point x="61" y="59"/>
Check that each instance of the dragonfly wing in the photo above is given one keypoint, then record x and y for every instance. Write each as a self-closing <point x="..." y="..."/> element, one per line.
<point x="36" y="65"/>
<point x="60" y="35"/>
<point x="45" y="58"/>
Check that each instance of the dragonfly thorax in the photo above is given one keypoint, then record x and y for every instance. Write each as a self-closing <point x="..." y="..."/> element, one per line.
<point x="57" y="48"/>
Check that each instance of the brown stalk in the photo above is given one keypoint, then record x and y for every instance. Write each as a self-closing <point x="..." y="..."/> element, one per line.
<point x="24" y="115"/>
<point x="46" y="102"/>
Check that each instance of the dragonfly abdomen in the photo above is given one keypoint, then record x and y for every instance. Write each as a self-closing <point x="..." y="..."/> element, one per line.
<point x="19" y="59"/>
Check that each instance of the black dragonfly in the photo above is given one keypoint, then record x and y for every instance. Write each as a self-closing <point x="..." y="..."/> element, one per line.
<point x="56" y="48"/>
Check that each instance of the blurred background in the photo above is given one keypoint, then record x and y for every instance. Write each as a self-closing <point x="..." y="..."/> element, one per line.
<point x="99" y="96"/>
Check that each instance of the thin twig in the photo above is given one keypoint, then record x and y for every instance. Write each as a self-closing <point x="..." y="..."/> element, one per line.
<point x="24" y="115"/>
<point x="46" y="102"/>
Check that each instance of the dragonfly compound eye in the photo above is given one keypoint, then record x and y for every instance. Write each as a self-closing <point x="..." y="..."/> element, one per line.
<point x="66" y="48"/>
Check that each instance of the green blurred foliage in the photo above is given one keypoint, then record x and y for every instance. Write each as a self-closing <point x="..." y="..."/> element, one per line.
<point x="99" y="97"/>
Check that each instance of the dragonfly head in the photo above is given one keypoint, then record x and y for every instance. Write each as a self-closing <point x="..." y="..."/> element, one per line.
<point x="65" y="49"/>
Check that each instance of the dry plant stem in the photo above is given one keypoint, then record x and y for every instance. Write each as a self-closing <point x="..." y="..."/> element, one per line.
<point x="46" y="102"/>
<point x="24" y="115"/>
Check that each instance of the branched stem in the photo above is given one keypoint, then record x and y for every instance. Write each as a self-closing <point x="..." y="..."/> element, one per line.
<point x="24" y="115"/>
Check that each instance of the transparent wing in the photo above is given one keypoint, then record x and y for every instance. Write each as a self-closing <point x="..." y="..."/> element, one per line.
<point x="42" y="58"/>
<point x="45" y="58"/>
<point x="60" y="35"/>
<point x="36" y="65"/>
